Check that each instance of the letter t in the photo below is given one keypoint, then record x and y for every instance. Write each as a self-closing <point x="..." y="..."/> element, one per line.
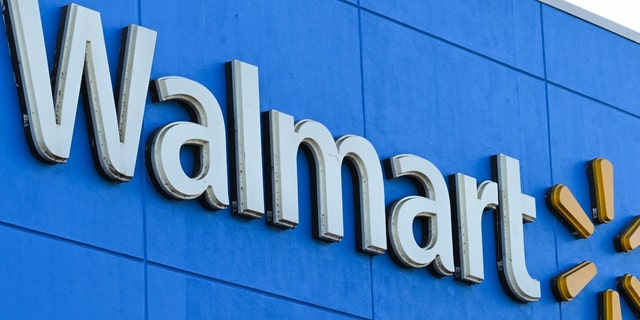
<point x="515" y="209"/>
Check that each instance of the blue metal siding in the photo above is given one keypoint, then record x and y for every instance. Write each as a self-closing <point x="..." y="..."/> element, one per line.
<point x="454" y="82"/>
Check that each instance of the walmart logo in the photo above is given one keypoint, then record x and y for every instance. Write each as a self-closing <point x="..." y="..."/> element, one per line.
<point x="567" y="285"/>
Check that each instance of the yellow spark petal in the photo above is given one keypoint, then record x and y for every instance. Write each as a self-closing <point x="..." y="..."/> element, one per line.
<point x="565" y="206"/>
<point x="629" y="238"/>
<point x="568" y="284"/>
<point x="610" y="305"/>
<point x="600" y="172"/>
<point x="629" y="286"/>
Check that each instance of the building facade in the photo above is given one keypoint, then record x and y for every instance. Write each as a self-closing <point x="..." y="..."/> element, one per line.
<point x="197" y="219"/>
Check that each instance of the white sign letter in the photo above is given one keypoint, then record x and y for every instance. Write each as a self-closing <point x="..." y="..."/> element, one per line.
<point x="470" y="204"/>
<point x="286" y="138"/>
<point x="82" y="52"/>
<point x="245" y="139"/>
<point x="437" y="249"/>
<point x="210" y="179"/>
<point x="515" y="208"/>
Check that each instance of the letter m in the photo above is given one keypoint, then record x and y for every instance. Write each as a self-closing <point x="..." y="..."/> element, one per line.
<point x="49" y="113"/>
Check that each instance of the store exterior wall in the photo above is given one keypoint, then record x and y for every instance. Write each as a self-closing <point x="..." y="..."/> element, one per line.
<point x="453" y="82"/>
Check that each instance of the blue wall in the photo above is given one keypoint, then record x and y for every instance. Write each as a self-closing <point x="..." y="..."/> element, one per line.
<point x="451" y="81"/>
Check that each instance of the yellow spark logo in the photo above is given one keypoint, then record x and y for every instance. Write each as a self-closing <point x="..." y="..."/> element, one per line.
<point x="567" y="285"/>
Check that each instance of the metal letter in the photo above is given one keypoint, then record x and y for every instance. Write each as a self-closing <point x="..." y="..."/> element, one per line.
<point x="208" y="135"/>
<point x="246" y="139"/>
<point x="286" y="138"/>
<point x="515" y="208"/>
<point x="363" y="156"/>
<point x="471" y="202"/>
<point x="437" y="251"/>
<point x="117" y="132"/>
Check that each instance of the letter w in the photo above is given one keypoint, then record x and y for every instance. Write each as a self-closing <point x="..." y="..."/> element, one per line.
<point x="82" y="51"/>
